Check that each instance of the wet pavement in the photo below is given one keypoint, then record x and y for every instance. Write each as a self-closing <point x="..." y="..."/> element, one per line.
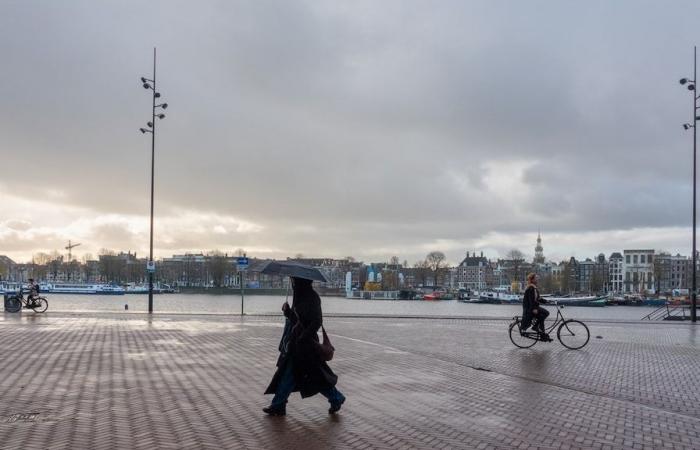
<point x="71" y="381"/>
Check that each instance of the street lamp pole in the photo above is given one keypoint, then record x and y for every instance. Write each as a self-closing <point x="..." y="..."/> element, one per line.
<point x="691" y="88"/>
<point x="694" y="296"/>
<point x="151" y="84"/>
<point x="153" y="161"/>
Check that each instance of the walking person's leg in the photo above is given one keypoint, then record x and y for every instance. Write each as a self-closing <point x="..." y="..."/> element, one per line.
<point x="335" y="398"/>
<point x="278" y="407"/>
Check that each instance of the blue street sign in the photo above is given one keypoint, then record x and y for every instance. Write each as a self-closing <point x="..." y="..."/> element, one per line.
<point x="242" y="261"/>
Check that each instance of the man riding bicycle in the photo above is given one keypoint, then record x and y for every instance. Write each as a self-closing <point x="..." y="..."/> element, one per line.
<point x="533" y="313"/>
<point x="33" y="291"/>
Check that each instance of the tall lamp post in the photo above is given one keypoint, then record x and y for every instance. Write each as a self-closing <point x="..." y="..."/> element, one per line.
<point x="151" y="84"/>
<point x="687" y="126"/>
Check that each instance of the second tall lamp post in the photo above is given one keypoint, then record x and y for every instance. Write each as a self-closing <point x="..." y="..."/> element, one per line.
<point x="694" y="126"/>
<point x="151" y="84"/>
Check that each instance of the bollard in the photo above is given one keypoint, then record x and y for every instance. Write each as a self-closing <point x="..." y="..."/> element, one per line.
<point x="126" y="307"/>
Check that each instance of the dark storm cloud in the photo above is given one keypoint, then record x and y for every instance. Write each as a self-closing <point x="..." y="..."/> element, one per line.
<point x="388" y="125"/>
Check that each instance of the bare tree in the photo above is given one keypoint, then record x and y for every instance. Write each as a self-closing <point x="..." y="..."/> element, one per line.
<point x="40" y="265"/>
<point x="394" y="274"/>
<point x="41" y="258"/>
<point x="516" y="259"/>
<point x="55" y="264"/>
<point x="659" y="268"/>
<point x="112" y="267"/>
<point x="597" y="281"/>
<point x="422" y="268"/>
<point x="218" y="267"/>
<point x="436" y="263"/>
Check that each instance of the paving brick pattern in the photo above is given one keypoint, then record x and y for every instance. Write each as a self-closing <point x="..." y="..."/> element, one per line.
<point x="124" y="381"/>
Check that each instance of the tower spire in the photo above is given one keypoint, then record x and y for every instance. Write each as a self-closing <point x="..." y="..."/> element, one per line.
<point x="539" y="251"/>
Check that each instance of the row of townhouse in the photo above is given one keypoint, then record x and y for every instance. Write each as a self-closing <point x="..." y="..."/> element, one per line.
<point x="628" y="272"/>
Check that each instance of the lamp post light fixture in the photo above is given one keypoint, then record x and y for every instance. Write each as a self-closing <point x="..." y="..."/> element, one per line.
<point x="687" y="126"/>
<point x="151" y="128"/>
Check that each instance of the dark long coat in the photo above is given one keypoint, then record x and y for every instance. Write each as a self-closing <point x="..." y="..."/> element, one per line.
<point x="297" y="347"/>
<point x="531" y="301"/>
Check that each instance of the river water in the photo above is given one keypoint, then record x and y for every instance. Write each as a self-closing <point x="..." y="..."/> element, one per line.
<point x="265" y="304"/>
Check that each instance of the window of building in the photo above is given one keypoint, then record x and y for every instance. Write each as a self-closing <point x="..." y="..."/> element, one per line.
<point x="649" y="258"/>
<point x="641" y="259"/>
<point x="627" y="259"/>
<point x="635" y="259"/>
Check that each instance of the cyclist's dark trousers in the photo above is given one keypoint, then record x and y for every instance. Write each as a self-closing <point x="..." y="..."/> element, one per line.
<point x="540" y="317"/>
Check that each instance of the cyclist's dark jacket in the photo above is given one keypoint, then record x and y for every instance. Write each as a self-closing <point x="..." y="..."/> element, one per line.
<point x="530" y="301"/>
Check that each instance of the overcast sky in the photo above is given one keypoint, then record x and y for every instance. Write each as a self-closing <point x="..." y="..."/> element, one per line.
<point x="364" y="128"/>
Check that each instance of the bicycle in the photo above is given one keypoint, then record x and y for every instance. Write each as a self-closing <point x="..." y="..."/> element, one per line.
<point x="573" y="334"/>
<point x="17" y="301"/>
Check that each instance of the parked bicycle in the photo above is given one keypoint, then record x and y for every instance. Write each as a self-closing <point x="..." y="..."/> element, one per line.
<point x="17" y="301"/>
<point x="572" y="334"/>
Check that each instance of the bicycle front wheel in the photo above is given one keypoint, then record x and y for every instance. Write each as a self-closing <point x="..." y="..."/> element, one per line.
<point x="41" y="305"/>
<point x="573" y="334"/>
<point x="519" y="339"/>
<point x="13" y="305"/>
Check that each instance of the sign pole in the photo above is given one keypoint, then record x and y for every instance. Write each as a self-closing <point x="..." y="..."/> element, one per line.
<point x="242" y="263"/>
<point x="242" y="290"/>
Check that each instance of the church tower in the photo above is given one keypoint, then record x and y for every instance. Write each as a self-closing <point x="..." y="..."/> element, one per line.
<point x="539" y="255"/>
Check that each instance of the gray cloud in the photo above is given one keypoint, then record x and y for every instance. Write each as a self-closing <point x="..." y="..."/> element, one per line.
<point x="369" y="128"/>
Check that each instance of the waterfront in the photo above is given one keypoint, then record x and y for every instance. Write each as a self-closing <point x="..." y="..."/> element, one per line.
<point x="266" y="304"/>
<point x="86" y="381"/>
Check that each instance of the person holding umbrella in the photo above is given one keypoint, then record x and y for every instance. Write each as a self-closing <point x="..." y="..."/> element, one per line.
<point x="300" y="367"/>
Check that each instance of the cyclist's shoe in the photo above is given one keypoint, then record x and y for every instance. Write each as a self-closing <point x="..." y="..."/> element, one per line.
<point x="545" y="337"/>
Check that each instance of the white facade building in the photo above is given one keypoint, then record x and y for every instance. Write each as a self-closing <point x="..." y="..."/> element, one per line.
<point x="639" y="271"/>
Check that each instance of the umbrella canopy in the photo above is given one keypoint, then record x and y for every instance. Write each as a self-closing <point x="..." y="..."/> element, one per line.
<point x="291" y="269"/>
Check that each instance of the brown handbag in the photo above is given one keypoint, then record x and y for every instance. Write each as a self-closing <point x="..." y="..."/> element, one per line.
<point x="325" y="348"/>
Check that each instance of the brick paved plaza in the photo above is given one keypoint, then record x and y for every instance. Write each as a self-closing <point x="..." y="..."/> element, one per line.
<point x="124" y="381"/>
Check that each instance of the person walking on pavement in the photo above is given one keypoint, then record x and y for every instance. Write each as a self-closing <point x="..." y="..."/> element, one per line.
<point x="300" y="368"/>
<point x="533" y="313"/>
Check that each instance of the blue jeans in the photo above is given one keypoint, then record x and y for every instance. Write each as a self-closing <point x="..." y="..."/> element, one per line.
<point x="286" y="386"/>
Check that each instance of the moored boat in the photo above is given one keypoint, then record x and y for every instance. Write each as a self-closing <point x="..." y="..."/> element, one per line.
<point x="141" y="289"/>
<point x="497" y="297"/>
<point x="94" y="289"/>
<point x="590" y="300"/>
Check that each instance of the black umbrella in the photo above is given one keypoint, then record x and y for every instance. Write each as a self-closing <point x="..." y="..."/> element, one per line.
<point x="292" y="269"/>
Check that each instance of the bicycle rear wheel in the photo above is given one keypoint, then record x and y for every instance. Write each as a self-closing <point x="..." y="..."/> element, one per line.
<point x="41" y="305"/>
<point x="518" y="339"/>
<point x="573" y="334"/>
<point x="13" y="304"/>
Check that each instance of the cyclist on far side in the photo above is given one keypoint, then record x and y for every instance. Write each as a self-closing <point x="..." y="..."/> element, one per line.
<point x="533" y="313"/>
<point x="33" y="291"/>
